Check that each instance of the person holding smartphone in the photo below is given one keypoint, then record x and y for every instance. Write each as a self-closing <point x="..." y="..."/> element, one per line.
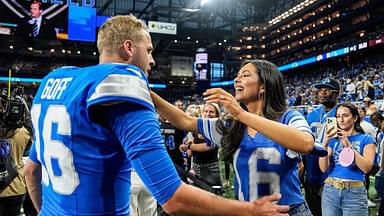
<point x="328" y="90"/>
<point x="350" y="156"/>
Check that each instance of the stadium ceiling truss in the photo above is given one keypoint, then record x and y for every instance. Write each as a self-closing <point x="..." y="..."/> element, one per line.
<point x="216" y="14"/>
<point x="210" y="23"/>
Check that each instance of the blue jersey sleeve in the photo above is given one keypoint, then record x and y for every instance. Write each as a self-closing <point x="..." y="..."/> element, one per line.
<point x="138" y="131"/>
<point x="366" y="141"/>
<point x="296" y="120"/>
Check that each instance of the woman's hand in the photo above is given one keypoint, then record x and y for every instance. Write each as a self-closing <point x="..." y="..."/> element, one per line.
<point x="183" y="147"/>
<point x="330" y="133"/>
<point x="218" y="95"/>
<point x="343" y="138"/>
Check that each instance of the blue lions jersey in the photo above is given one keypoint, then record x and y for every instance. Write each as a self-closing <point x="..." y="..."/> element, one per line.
<point x="86" y="166"/>
<point x="263" y="167"/>
<point x="358" y="142"/>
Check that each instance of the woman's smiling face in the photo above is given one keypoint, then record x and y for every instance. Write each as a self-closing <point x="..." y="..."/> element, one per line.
<point x="247" y="84"/>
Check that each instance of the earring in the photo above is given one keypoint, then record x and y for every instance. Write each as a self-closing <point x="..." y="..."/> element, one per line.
<point x="261" y="95"/>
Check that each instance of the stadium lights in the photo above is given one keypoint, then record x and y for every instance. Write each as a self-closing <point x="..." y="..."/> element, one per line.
<point x="203" y="2"/>
<point x="291" y="11"/>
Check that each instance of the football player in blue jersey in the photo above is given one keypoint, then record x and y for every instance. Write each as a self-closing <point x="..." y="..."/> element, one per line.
<point x="344" y="190"/>
<point x="264" y="139"/>
<point x="93" y="124"/>
<point x="328" y="91"/>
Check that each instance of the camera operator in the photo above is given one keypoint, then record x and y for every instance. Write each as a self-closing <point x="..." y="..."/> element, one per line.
<point x="14" y="139"/>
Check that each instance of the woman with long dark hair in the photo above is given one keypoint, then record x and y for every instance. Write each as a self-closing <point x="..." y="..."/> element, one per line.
<point x="263" y="139"/>
<point x="351" y="154"/>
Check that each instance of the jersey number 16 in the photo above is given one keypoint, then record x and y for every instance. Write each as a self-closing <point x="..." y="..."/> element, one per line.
<point x="67" y="179"/>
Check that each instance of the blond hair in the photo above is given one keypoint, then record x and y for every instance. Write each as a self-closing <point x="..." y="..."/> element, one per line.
<point x="116" y="30"/>
<point x="216" y="107"/>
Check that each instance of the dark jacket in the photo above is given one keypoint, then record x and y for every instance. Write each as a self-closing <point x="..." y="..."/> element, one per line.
<point x="46" y="31"/>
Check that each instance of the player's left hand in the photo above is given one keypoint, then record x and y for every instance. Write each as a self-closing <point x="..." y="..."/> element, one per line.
<point x="218" y="95"/>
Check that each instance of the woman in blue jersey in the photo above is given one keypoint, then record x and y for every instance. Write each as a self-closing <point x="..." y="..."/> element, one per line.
<point x="205" y="158"/>
<point x="263" y="139"/>
<point x="344" y="192"/>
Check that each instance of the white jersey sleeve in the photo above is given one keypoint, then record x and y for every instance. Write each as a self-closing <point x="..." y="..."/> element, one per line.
<point x="125" y="83"/>
<point x="207" y="127"/>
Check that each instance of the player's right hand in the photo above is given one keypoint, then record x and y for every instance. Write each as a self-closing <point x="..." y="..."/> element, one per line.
<point x="266" y="206"/>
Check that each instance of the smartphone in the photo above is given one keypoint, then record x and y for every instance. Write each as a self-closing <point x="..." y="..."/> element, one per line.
<point x="332" y="123"/>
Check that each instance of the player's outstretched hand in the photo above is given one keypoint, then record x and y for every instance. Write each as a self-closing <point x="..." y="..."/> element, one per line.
<point x="266" y="206"/>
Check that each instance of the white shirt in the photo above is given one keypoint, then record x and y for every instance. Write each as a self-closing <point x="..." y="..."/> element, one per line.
<point x="351" y="88"/>
<point x="368" y="128"/>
